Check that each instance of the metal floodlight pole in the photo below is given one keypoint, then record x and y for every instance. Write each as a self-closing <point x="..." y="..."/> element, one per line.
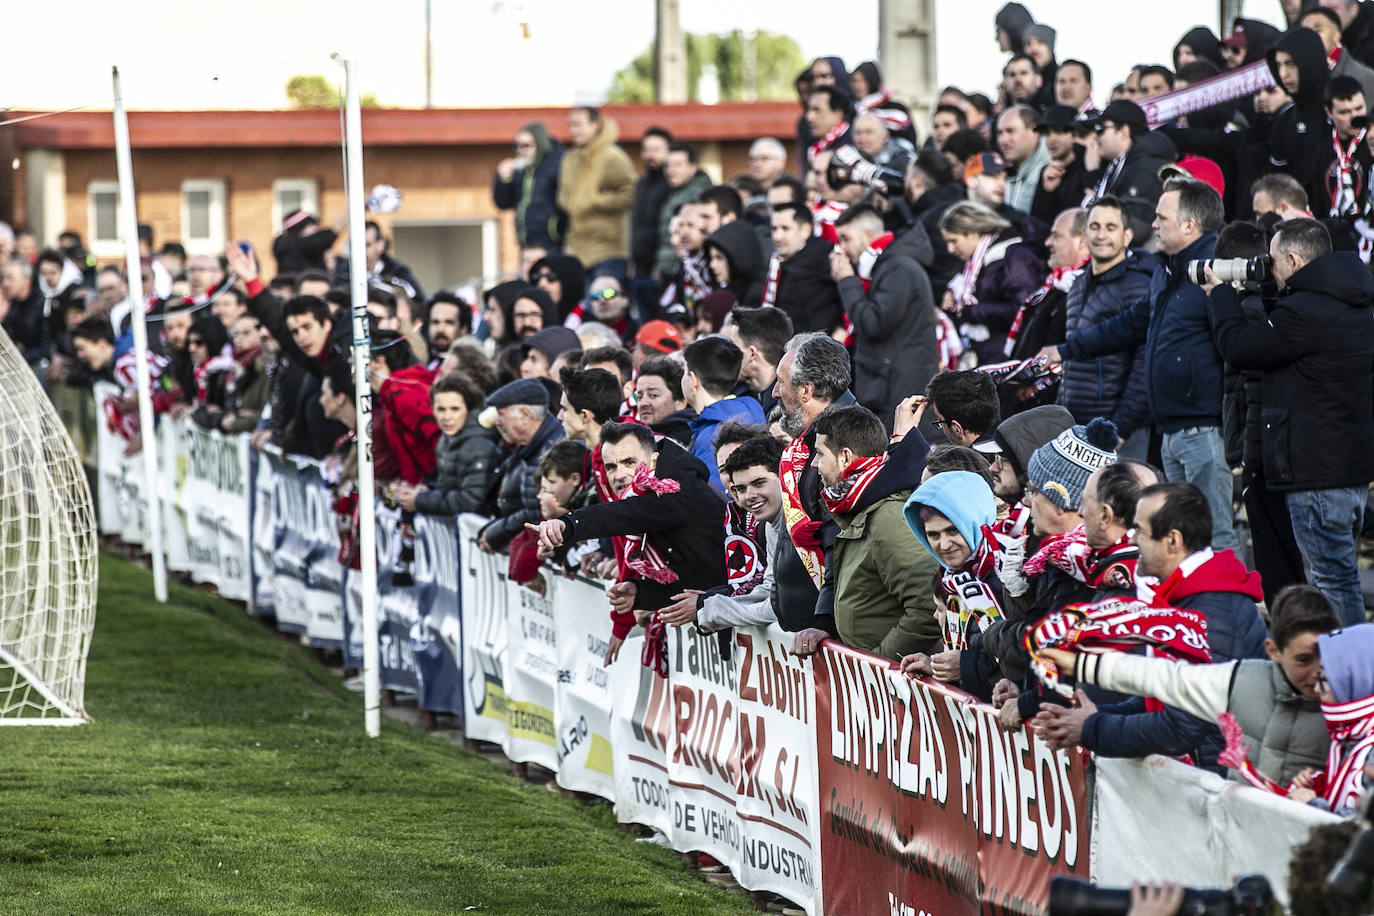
<point x="362" y="352"/>
<point x="128" y="225"/>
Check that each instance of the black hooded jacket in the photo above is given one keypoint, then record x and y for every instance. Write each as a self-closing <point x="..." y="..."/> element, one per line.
<point x="1242" y="155"/>
<point x="737" y="241"/>
<point x="572" y="279"/>
<point x="1318" y="376"/>
<point x="305" y="430"/>
<point x="806" y="290"/>
<point x="1259" y="38"/>
<point x="1359" y="38"/>
<point x="1301" y="138"/>
<point x="686" y="528"/>
<point x="1013" y="19"/>
<point x="651" y="191"/>
<point x="804" y="136"/>
<point x="1204" y="43"/>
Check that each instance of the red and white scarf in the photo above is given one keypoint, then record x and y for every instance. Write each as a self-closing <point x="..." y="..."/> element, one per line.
<point x="1334" y="57"/>
<point x="824" y="143"/>
<point x="894" y="118"/>
<point x="947" y="343"/>
<point x="1036" y="373"/>
<point x="220" y="362"/>
<point x="641" y="556"/>
<point x="844" y="494"/>
<point x="1346" y="185"/>
<point x="770" y="286"/>
<point x="1352" y="738"/>
<point x="964" y="286"/>
<point x="870" y="257"/>
<point x="823" y="216"/>
<point x="1116" y="625"/>
<point x="1068" y="552"/>
<point x="804" y="531"/>
<point x="1061" y="278"/>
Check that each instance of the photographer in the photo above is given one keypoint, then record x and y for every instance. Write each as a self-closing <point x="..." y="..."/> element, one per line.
<point x="1317" y="396"/>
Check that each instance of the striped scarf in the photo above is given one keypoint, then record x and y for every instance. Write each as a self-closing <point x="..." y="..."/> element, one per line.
<point x="824" y="143"/>
<point x="844" y="494"/>
<point x="1061" y="278"/>
<point x="770" y="287"/>
<point x="870" y="257"/>
<point x="964" y="286"/>
<point x="976" y="601"/>
<point x="803" y="530"/>
<point x="1352" y="738"/>
<point x="1116" y="625"/>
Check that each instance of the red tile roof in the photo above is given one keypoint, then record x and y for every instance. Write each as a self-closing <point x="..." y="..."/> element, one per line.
<point x="393" y="126"/>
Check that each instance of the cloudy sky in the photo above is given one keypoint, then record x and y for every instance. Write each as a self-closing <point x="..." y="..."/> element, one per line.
<point x="175" y="54"/>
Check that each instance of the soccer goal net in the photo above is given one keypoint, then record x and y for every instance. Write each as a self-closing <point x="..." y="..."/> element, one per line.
<point x="47" y="556"/>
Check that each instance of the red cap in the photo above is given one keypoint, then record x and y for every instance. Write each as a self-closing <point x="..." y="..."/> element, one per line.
<point x="660" y="336"/>
<point x="1204" y="170"/>
<point x="1236" y="40"/>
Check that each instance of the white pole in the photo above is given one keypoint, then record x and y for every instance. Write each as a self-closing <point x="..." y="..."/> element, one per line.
<point x="128" y="224"/>
<point x="362" y="353"/>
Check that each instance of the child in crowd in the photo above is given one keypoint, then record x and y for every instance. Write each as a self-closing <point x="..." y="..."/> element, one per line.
<point x="564" y="485"/>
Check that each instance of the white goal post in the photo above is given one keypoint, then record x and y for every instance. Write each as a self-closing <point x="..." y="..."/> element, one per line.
<point x="47" y="556"/>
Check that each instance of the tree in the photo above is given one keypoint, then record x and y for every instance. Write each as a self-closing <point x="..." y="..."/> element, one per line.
<point x="777" y="61"/>
<point x="310" y="90"/>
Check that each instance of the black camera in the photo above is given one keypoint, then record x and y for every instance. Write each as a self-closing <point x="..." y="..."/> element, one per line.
<point x="1231" y="270"/>
<point x="1251" y="895"/>
<point x="848" y="166"/>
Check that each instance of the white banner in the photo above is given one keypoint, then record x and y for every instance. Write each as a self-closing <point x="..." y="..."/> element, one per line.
<point x="211" y="495"/>
<point x="531" y="677"/>
<point x="266" y="528"/>
<point x="777" y="797"/>
<point x="1142" y="808"/>
<point x="641" y="724"/>
<point x="582" y="703"/>
<point x="484" y="636"/>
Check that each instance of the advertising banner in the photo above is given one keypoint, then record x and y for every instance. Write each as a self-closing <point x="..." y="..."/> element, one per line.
<point x="484" y="635"/>
<point x="583" y="700"/>
<point x="930" y="806"/>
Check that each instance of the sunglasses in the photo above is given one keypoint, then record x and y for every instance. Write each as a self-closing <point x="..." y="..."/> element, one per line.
<point x="544" y="275"/>
<point x="604" y="294"/>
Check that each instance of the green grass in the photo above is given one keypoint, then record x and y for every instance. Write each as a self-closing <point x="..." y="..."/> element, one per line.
<point x="227" y="772"/>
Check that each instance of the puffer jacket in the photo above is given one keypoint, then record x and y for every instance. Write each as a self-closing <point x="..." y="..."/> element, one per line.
<point x="408" y="421"/>
<point x="1011" y="272"/>
<point x="596" y="188"/>
<point x="464" y="463"/>
<point x="532" y="193"/>
<point x="1113" y="385"/>
<point x="517" y="493"/>
<point x="1183" y="370"/>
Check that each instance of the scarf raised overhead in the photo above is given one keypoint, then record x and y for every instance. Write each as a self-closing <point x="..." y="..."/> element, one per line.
<point x="1116" y="625"/>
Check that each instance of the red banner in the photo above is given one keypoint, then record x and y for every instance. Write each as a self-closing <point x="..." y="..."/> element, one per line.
<point x="927" y="806"/>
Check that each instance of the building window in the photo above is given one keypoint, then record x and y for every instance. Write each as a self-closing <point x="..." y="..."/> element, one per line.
<point x="202" y="216"/>
<point x="290" y="195"/>
<point x="102" y="204"/>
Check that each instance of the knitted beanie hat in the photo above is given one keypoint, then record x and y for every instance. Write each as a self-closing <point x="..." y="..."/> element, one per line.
<point x="1061" y="467"/>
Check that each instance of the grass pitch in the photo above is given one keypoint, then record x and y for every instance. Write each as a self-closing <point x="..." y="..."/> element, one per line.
<point x="227" y="772"/>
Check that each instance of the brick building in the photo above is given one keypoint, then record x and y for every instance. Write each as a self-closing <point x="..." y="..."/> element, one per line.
<point x="205" y="178"/>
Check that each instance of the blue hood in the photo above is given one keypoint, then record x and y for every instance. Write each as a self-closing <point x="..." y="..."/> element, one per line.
<point x="960" y="496"/>
<point x="1345" y="659"/>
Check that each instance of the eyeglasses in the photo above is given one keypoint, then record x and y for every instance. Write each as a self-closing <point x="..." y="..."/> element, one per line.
<point x="940" y="424"/>
<point x="528" y="315"/>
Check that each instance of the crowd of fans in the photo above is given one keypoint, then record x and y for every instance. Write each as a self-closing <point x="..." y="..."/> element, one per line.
<point x="720" y="396"/>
